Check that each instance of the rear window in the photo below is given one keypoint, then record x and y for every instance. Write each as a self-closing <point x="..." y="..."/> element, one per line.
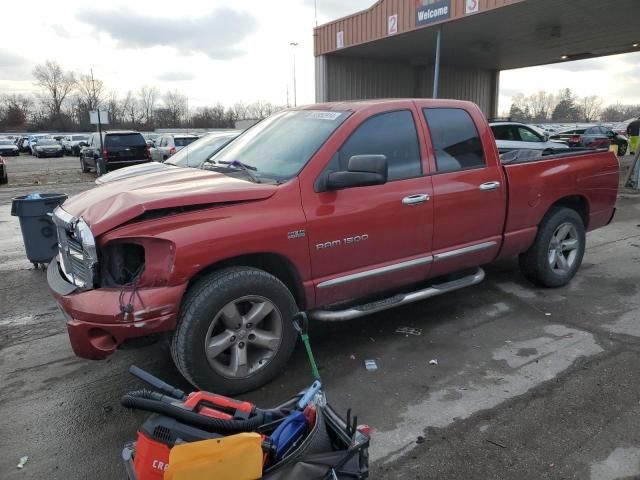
<point x="125" y="140"/>
<point x="455" y="139"/>
<point x="183" y="142"/>
<point x="79" y="137"/>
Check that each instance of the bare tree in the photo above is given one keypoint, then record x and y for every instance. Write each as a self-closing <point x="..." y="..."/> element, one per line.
<point x="56" y="83"/>
<point x="591" y="108"/>
<point x="541" y="105"/>
<point x="15" y="109"/>
<point x="90" y="92"/>
<point x="176" y="105"/>
<point x="131" y="109"/>
<point x="148" y="97"/>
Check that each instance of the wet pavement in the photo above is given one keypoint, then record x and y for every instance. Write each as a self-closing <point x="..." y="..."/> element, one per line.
<point x="530" y="383"/>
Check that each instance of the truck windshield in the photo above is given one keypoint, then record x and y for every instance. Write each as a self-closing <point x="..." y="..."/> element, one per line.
<point x="280" y="146"/>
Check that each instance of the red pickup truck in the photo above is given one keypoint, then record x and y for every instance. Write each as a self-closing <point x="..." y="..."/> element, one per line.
<point x="339" y="210"/>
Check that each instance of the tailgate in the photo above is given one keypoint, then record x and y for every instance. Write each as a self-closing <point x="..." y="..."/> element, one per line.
<point x="125" y="147"/>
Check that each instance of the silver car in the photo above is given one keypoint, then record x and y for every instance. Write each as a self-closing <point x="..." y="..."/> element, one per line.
<point x="518" y="136"/>
<point x="170" y="144"/>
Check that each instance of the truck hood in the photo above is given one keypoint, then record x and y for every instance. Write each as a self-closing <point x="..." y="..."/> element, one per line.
<point x="112" y="204"/>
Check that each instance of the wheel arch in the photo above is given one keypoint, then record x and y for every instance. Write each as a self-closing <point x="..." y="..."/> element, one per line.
<point x="273" y="263"/>
<point x="578" y="203"/>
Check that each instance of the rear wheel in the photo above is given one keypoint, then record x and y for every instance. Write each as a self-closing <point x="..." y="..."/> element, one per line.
<point x="622" y="149"/>
<point x="557" y="252"/>
<point x="235" y="331"/>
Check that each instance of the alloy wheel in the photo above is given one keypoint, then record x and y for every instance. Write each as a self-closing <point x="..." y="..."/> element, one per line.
<point x="244" y="336"/>
<point x="563" y="248"/>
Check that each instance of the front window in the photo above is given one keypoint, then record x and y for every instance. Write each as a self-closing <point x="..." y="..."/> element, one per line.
<point x="281" y="145"/>
<point x="527" y="135"/>
<point x="79" y="138"/>
<point x="47" y="141"/>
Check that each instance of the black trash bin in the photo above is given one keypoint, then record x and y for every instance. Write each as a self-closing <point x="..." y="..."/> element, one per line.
<point x="38" y="231"/>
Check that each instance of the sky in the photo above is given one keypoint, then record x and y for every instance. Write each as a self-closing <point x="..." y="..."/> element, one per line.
<point x="227" y="51"/>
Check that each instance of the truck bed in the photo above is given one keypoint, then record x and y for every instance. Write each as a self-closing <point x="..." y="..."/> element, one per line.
<point x="585" y="179"/>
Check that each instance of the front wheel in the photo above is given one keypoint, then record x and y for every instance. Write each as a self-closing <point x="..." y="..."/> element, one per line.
<point x="101" y="168"/>
<point x="235" y="331"/>
<point x="83" y="166"/>
<point x="557" y="252"/>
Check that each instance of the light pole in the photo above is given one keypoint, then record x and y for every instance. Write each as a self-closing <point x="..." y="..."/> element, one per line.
<point x="295" y="92"/>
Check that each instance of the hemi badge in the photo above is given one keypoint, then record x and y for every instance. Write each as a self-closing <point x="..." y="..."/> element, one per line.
<point x="296" y="234"/>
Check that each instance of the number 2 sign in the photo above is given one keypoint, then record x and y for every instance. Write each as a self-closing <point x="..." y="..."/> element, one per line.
<point x="393" y="24"/>
<point x="472" y="6"/>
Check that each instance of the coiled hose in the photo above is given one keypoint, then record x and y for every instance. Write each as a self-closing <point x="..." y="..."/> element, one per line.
<point x="157" y="403"/>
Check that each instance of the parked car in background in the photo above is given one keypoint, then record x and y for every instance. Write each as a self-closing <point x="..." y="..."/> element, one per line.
<point x="594" y="137"/>
<point x="169" y="144"/>
<point x="4" y="178"/>
<point x="71" y="143"/>
<point x="518" y="136"/>
<point x="120" y="148"/>
<point x="8" y="148"/>
<point x="22" y="144"/>
<point x="193" y="156"/>
<point x="47" y="147"/>
<point x="32" y="141"/>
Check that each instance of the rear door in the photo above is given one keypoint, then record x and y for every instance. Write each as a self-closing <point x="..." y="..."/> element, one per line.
<point x="366" y="240"/>
<point x="469" y="191"/>
<point x="125" y="147"/>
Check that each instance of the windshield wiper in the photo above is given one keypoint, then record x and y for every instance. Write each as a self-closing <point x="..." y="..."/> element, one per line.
<point x="242" y="166"/>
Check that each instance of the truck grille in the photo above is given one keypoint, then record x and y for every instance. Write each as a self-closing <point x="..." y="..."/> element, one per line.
<point x="77" y="255"/>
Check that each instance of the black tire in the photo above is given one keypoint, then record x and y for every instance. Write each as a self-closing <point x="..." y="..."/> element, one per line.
<point x="204" y="302"/>
<point x="35" y="154"/>
<point x="535" y="263"/>
<point x="83" y="166"/>
<point x="622" y="149"/>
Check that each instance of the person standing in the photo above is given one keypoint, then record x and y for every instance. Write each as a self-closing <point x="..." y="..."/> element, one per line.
<point x="633" y="131"/>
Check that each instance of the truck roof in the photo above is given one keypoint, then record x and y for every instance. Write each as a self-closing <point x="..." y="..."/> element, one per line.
<point x="361" y="105"/>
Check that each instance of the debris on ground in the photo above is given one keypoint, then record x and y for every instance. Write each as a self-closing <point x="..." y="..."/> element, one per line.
<point x="409" y="331"/>
<point x="496" y="443"/>
<point x="433" y="362"/>
<point x="23" y="461"/>
<point x="370" y="365"/>
<point x="548" y="314"/>
<point x="352" y="356"/>
<point x="420" y="440"/>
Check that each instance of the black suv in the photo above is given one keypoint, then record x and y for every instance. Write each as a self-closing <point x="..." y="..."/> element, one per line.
<point x="119" y="149"/>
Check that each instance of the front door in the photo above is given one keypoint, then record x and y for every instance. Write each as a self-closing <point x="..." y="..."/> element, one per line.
<point x="366" y="240"/>
<point x="469" y="193"/>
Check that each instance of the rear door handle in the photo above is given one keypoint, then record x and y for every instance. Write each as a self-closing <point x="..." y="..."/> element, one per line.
<point x="488" y="186"/>
<point x="415" y="199"/>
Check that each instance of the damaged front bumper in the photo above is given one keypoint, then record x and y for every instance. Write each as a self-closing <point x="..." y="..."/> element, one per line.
<point x="95" y="320"/>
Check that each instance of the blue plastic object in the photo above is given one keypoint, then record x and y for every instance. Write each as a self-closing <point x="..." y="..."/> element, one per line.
<point x="288" y="432"/>
<point x="33" y="196"/>
<point x="309" y="394"/>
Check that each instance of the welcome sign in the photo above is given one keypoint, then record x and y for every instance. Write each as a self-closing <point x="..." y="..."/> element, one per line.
<point x="431" y="11"/>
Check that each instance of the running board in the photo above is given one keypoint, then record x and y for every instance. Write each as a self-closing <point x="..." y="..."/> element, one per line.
<point x="396" y="300"/>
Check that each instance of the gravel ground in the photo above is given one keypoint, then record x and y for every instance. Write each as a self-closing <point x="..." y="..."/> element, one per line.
<point x="530" y="383"/>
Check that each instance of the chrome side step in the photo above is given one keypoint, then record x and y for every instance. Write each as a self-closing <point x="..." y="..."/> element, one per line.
<point x="397" y="300"/>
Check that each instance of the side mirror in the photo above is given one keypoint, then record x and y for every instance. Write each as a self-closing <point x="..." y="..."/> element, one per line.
<point x="546" y="137"/>
<point x="363" y="171"/>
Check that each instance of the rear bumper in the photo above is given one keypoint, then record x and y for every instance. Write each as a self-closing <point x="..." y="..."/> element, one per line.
<point x="95" y="322"/>
<point x="125" y="163"/>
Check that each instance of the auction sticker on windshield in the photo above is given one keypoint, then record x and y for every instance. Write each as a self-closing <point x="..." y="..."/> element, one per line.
<point x="324" y="115"/>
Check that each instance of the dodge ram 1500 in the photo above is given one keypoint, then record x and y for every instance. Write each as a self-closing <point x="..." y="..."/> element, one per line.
<point x="340" y="210"/>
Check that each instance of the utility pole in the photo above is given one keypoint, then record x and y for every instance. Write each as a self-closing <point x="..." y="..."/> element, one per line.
<point x="315" y="10"/>
<point x="93" y="87"/>
<point x="295" y="92"/>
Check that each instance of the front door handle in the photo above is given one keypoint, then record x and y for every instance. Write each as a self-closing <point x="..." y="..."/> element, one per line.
<point x="415" y="199"/>
<point x="489" y="186"/>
